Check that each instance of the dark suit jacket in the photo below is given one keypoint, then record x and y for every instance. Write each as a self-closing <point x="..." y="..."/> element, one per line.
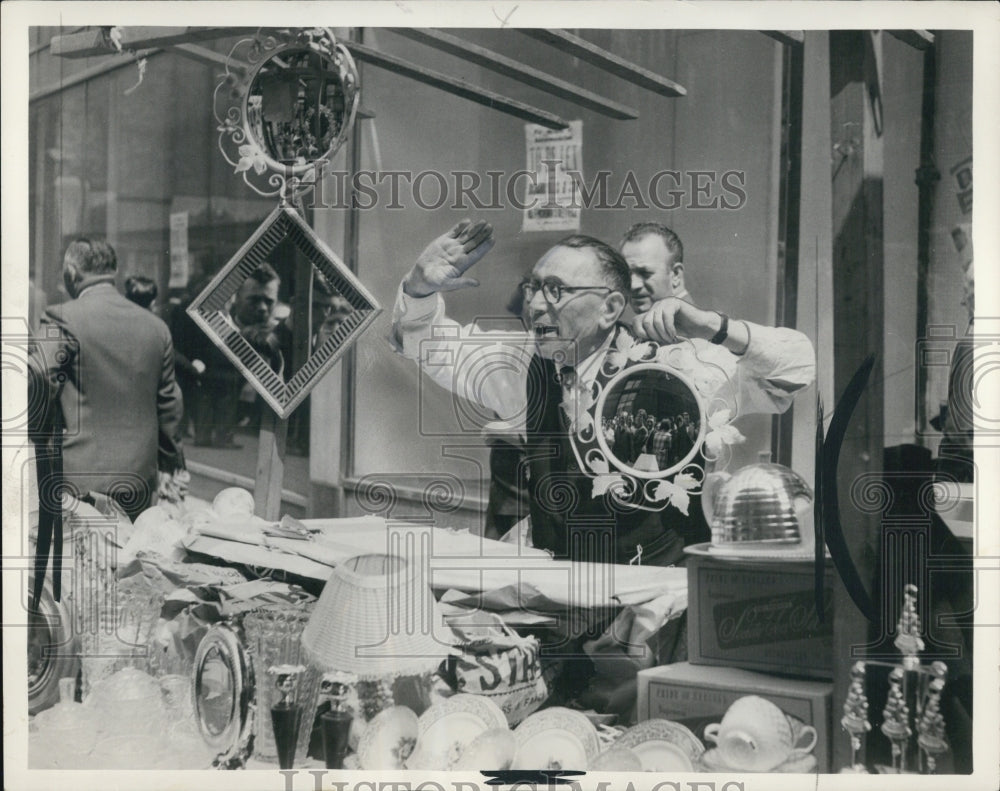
<point x="105" y="368"/>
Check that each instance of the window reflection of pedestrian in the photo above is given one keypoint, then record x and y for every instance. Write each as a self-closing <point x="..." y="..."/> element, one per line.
<point x="173" y="473"/>
<point x="142" y="291"/>
<point x="105" y="373"/>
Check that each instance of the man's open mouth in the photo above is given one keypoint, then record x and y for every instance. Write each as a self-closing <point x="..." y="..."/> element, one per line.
<point x="546" y="331"/>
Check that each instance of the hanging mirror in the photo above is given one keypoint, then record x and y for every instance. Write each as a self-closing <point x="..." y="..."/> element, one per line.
<point x="656" y="416"/>
<point x="286" y="103"/>
<point x="244" y="310"/>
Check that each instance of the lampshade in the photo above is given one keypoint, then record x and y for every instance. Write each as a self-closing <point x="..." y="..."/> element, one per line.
<point x="377" y="618"/>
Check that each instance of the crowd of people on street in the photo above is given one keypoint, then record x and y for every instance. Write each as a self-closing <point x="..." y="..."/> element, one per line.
<point x="668" y="439"/>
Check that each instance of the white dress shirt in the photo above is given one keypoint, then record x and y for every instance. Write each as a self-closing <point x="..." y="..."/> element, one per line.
<point x="490" y="368"/>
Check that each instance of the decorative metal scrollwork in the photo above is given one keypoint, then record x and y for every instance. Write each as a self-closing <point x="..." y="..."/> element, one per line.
<point x="685" y="405"/>
<point x="285" y="105"/>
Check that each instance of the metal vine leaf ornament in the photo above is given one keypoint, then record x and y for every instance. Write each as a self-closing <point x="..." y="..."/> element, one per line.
<point x="680" y="392"/>
<point x="285" y="105"/>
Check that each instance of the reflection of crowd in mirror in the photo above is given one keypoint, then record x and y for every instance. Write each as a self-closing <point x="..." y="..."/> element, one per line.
<point x="221" y="401"/>
<point x="669" y="439"/>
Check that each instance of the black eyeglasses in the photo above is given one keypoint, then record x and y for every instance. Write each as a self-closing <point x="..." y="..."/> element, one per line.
<point x="552" y="289"/>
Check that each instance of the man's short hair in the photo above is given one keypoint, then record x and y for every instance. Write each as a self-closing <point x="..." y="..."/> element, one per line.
<point x="613" y="266"/>
<point x="670" y="239"/>
<point x="265" y="274"/>
<point x="141" y="290"/>
<point x="92" y="256"/>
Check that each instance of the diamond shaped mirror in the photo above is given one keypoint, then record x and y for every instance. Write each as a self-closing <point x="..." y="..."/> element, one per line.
<point x="245" y="310"/>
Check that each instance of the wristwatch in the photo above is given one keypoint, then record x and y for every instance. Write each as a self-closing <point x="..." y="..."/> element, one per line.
<point x="723" y="332"/>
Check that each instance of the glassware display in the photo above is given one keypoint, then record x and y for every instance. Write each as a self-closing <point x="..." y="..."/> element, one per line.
<point x="913" y="703"/>
<point x="273" y="637"/>
<point x="286" y="713"/>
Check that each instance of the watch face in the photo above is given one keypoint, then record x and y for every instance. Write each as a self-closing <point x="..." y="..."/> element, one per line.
<point x="223" y="691"/>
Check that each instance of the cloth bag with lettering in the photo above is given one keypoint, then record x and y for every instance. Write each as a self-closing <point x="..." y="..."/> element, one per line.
<point x="492" y="660"/>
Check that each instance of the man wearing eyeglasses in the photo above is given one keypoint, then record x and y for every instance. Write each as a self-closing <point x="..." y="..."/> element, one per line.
<point x="576" y="294"/>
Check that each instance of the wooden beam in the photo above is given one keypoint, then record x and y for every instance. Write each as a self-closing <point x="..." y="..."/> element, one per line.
<point x="89" y="73"/>
<point x="270" y="465"/>
<point x="454" y="86"/>
<point x="608" y="61"/>
<point x="509" y="67"/>
<point x="96" y="40"/>
<point x="918" y="39"/>
<point x="789" y="207"/>
<point x="858" y="329"/>
<point x="789" y="37"/>
<point x="213" y="58"/>
<point x="208" y="56"/>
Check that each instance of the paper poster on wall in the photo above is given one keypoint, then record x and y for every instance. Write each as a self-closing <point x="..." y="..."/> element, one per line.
<point x="180" y="265"/>
<point x="550" y="203"/>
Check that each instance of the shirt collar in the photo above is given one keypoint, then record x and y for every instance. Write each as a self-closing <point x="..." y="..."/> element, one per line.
<point x="92" y="282"/>
<point x="587" y="370"/>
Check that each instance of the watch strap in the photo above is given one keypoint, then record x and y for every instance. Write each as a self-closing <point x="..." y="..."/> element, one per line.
<point x="723" y="332"/>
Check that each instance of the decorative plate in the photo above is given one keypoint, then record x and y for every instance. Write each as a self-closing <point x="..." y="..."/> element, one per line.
<point x="742" y="551"/>
<point x="663" y="746"/>
<point x="388" y="740"/>
<point x="617" y="759"/>
<point x="492" y="749"/>
<point x="556" y="738"/>
<point x="447" y="728"/>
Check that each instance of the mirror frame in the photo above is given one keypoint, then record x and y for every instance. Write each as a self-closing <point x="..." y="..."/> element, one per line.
<point x="238" y="140"/>
<point x="654" y="491"/>
<point x="283" y="397"/>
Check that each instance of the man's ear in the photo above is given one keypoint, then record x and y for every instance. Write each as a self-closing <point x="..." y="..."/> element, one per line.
<point x="614" y="306"/>
<point x="677" y="277"/>
<point x="71" y="278"/>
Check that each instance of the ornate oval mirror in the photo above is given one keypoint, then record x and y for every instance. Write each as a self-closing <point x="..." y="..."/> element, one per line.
<point x="299" y="105"/>
<point x="286" y="102"/>
<point x="650" y="421"/>
<point x="223" y="691"/>
<point x="299" y="102"/>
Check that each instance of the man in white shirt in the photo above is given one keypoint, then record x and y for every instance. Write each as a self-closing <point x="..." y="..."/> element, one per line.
<point x="576" y="295"/>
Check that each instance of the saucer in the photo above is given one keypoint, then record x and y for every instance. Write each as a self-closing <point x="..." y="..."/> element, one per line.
<point x="388" y="740"/>
<point x="747" y="551"/>
<point x="555" y="738"/>
<point x="663" y="746"/>
<point x="447" y="728"/>
<point x="805" y="764"/>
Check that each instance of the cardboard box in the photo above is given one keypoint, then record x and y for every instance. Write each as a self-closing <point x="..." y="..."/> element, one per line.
<point x="759" y="615"/>
<point x="697" y="696"/>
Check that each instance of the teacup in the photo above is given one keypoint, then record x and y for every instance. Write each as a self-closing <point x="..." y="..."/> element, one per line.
<point x="757" y="736"/>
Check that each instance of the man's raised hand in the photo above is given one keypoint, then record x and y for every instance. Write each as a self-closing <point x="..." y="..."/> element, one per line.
<point x="442" y="264"/>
